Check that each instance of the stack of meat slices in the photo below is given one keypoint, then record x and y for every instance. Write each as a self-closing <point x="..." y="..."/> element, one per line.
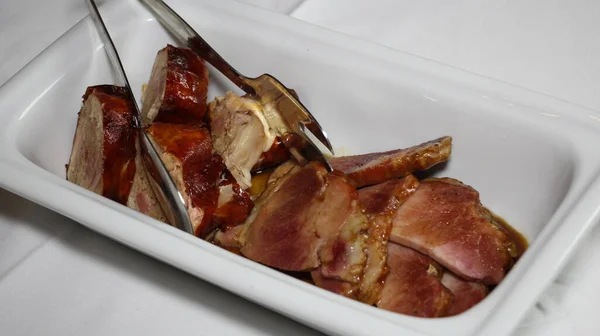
<point x="369" y="230"/>
<point x="106" y="157"/>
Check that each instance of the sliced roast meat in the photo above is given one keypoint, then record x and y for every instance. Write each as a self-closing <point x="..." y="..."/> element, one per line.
<point x="243" y="137"/>
<point x="142" y="197"/>
<point x="341" y="225"/>
<point x="186" y="151"/>
<point x="106" y="157"/>
<point x="230" y="237"/>
<point x="177" y="89"/>
<point x="368" y="263"/>
<point x="103" y="155"/>
<point x="374" y="168"/>
<point x="280" y="231"/>
<point x="307" y="218"/>
<point x="445" y="220"/>
<point x="380" y="202"/>
<point x="240" y="134"/>
<point x="466" y="293"/>
<point x="412" y="285"/>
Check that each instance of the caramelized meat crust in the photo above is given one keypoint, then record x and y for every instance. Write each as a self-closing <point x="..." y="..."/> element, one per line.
<point x="374" y="168"/>
<point x="103" y="155"/>
<point x="197" y="171"/>
<point x="178" y="88"/>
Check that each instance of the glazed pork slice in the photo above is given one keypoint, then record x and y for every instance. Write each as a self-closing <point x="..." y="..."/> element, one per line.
<point x="103" y="155"/>
<point x="368" y="169"/>
<point x="380" y="202"/>
<point x="230" y="237"/>
<point x="412" y="285"/>
<point x="343" y="232"/>
<point x="280" y="230"/>
<point x="466" y="293"/>
<point x="307" y="218"/>
<point x="177" y="89"/>
<point x="445" y="220"/>
<point x="187" y="153"/>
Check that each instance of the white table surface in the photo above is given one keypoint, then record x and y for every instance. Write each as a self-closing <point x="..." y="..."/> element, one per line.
<point x="58" y="278"/>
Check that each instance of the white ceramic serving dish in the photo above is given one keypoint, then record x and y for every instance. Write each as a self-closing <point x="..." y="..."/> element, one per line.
<point x="533" y="158"/>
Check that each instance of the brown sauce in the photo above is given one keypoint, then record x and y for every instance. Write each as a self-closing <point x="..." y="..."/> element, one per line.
<point x="521" y="243"/>
<point x="259" y="183"/>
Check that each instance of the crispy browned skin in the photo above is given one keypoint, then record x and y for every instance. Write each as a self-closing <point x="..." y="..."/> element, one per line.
<point x="374" y="168"/>
<point x="413" y="285"/>
<point x="187" y="153"/>
<point x="277" y="154"/>
<point x="466" y="293"/>
<point x="177" y="89"/>
<point x="117" y="162"/>
<point x="445" y="220"/>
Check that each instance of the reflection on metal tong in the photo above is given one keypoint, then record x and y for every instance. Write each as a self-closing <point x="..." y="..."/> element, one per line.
<point x="266" y="88"/>
<point x="169" y="197"/>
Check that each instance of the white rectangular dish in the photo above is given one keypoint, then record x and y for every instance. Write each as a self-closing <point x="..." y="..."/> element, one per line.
<point x="533" y="158"/>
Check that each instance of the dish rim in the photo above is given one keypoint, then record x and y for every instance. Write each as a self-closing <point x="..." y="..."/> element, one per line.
<point x="47" y="184"/>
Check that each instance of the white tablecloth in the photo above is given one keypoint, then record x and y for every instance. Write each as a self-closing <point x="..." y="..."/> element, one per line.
<point x="58" y="278"/>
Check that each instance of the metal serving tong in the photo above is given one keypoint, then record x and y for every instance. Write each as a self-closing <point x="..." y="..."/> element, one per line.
<point x="169" y="197"/>
<point x="266" y="88"/>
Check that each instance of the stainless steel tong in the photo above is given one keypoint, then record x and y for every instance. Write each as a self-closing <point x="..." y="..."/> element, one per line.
<point x="266" y="88"/>
<point x="169" y="196"/>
